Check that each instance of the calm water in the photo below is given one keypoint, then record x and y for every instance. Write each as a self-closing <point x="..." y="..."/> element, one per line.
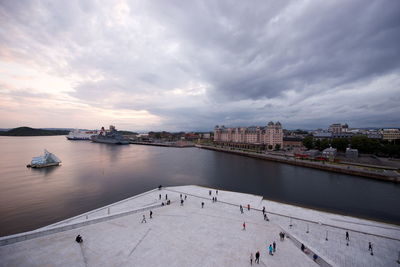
<point x="93" y="175"/>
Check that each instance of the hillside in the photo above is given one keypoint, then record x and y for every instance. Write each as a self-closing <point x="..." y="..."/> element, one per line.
<point x="27" y="131"/>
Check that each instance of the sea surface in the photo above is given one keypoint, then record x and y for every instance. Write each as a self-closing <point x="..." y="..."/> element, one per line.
<point x="93" y="175"/>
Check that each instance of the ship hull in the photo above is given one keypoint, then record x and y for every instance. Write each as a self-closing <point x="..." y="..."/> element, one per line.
<point x="78" y="138"/>
<point x="112" y="142"/>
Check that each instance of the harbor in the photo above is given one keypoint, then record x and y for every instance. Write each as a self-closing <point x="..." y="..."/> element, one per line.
<point x="185" y="234"/>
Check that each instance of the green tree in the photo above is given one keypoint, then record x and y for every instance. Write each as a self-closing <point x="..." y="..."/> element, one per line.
<point x="317" y="144"/>
<point x="277" y="147"/>
<point x="340" y="144"/>
<point x="308" y="142"/>
<point x="324" y="144"/>
<point x="365" y="144"/>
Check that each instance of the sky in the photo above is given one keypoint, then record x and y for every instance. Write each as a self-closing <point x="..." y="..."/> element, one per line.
<point x="191" y="65"/>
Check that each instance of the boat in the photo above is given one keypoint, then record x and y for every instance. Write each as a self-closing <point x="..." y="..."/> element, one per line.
<point x="111" y="136"/>
<point x="77" y="134"/>
<point x="47" y="160"/>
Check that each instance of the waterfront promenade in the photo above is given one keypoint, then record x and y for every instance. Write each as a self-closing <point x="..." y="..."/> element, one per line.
<point x="189" y="235"/>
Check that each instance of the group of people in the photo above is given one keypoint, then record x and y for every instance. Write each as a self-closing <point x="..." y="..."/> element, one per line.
<point x="257" y="258"/>
<point x="144" y="217"/>
<point x="271" y="250"/>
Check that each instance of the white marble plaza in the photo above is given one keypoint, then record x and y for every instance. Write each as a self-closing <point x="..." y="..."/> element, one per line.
<point x="189" y="235"/>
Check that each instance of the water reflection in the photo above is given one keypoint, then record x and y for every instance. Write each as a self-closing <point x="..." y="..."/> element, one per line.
<point x="45" y="171"/>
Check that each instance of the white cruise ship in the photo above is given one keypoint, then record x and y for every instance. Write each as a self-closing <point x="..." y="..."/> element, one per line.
<point x="81" y="134"/>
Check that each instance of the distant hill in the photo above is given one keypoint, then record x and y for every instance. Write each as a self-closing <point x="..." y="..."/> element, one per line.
<point x="27" y="131"/>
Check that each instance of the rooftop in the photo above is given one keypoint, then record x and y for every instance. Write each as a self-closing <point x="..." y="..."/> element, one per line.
<point x="189" y="235"/>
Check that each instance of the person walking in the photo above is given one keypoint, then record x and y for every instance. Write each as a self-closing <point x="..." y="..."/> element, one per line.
<point x="248" y="207"/>
<point x="251" y="258"/>
<point x="185" y="197"/>
<point x="244" y="226"/>
<point x="241" y="208"/>
<point x="257" y="257"/>
<point x="159" y="196"/>
<point x="274" y="246"/>
<point x="209" y="192"/>
<point x="151" y="215"/>
<point x="302" y="247"/>
<point x="181" y="196"/>
<point x="144" y="219"/>
<point x="263" y="210"/>
<point x="216" y="192"/>
<point x="215" y="199"/>
<point x="202" y="204"/>
<point x="181" y="202"/>
<point x="270" y="249"/>
<point x="370" y="248"/>
<point x="347" y="236"/>
<point x="166" y="196"/>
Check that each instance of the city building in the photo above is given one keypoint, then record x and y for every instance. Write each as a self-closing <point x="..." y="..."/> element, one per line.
<point x="271" y="135"/>
<point x="342" y="135"/>
<point x="390" y="134"/>
<point x="329" y="153"/>
<point x="338" y="128"/>
<point x="322" y="135"/>
<point x="292" y="143"/>
<point x="351" y="153"/>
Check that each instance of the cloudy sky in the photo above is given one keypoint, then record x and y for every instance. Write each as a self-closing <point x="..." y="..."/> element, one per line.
<point x="189" y="65"/>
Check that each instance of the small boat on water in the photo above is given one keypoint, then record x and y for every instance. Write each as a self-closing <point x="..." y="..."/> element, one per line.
<point x="81" y="134"/>
<point x="47" y="160"/>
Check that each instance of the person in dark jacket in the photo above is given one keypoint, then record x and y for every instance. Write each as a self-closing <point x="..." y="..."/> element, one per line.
<point x="79" y="239"/>
<point x="257" y="257"/>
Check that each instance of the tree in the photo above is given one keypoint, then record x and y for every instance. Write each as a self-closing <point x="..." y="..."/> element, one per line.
<point x="308" y="142"/>
<point x="340" y="144"/>
<point x="269" y="147"/>
<point x="324" y="144"/>
<point x="277" y="147"/>
<point x="365" y="144"/>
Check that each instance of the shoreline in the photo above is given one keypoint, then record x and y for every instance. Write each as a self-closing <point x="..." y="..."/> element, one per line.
<point x="314" y="165"/>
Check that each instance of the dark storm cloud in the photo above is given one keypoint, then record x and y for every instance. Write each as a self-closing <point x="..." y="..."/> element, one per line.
<point x="262" y="51"/>
<point x="218" y="62"/>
